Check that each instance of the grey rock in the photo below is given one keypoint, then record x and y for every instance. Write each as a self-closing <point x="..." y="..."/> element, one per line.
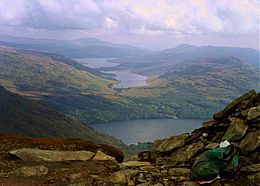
<point x="179" y="172"/>
<point x="212" y="146"/>
<point x="100" y="156"/>
<point x="254" y="114"/>
<point x="170" y="144"/>
<point x="236" y="130"/>
<point x="254" y="177"/>
<point x="233" y="105"/>
<point x="135" y="163"/>
<point x="122" y="176"/>
<point x="250" y="142"/>
<point x="30" y="171"/>
<point x="187" y="152"/>
<point x="189" y="183"/>
<point x="37" y="155"/>
<point x="251" y="168"/>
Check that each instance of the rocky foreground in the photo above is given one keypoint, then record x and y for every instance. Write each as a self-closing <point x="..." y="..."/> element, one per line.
<point x="75" y="162"/>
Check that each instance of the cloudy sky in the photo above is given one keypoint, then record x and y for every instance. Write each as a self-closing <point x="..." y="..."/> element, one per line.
<point x="153" y="24"/>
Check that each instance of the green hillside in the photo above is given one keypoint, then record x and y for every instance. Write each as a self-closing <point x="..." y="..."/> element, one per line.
<point x="67" y="87"/>
<point x="198" y="88"/>
<point x="27" y="117"/>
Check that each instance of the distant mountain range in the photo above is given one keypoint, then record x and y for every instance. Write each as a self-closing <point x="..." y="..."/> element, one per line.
<point x="184" y="82"/>
<point x="80" y="48"/>
<point x="157" y="63"/>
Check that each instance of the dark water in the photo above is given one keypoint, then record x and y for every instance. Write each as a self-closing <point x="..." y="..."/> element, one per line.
<point x="125" y="78"/>
<point x="134" y="131"/>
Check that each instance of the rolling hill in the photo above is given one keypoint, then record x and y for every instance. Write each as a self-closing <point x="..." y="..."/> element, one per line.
<point x="31" y="118"/>
<point x="66" y="86"/>
<point x="197" y="88"/>
<point x="157" y="63"/>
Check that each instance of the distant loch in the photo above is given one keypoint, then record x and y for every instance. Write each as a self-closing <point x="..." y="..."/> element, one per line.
<point x="125" y="78"/>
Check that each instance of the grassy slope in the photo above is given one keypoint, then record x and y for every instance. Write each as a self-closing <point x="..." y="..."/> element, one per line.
<point x="198" y="88"/>
<point x="33" y="73"/>
<point x="65" y="87"/>
<point x="27" y="117"/>
<point x="192" y="89"/>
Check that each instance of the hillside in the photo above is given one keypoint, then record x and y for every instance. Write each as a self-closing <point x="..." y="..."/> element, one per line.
<point x="80" y="48"/>
<point x="81" y="93"/>
<point x="47" y="161"/>
<point x="197" y="88"/>
<point x="157" y="63"/>
<point x="27" y="117"/>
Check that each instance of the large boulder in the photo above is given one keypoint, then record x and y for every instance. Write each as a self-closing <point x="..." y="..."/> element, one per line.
<point x="187" y="152"/>
<point x="36" y="155"/>
<point x="236" y="130"/>
<point x="170" y="144"/>
<point x="100" y="156"/>
<point x="254" y="114"/>
<point x="250" y="142"/>
<point x="231" y="107"/>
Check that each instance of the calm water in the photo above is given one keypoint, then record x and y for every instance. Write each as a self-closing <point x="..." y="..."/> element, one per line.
<point x="134" y="131"/>
<point x="125" y="78"/>
<point x="128" y="79"/>
<point x="96" y="62"/>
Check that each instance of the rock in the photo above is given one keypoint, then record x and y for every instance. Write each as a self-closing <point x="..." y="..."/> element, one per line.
<point x="158" y="184"/>
<point x="208" y="124"/>
<point x="170" y="143"/>
<point x="254" y="114"/>
<point x="254" y="178"/>
<point x="118" y="177"/>
<point x="100" y="156"/>
<point x="233" y="105"/>
<point x="212" y="146"/>
<point x="36" y="155"/>
<point x="179" y="172"/>
<point x="144" y="184"/>
<point x="189" y="183"/>
<point x="236" y="130"/>
<point x="122" y="176"/>
<point x="251" y="168"/>
<point x="30" y="171"/>
<point x="112" y="151"/>
<point x="187" y="152"/>
<point x="75" y="176"/>
<point x="250" y="142"/>
<point x="133" y="158"/>
<point x="135" y="163"/>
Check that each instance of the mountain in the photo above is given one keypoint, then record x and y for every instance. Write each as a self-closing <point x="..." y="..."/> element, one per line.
<point x="66" y="86"/>
<point x="29" y="72"/>
<point x="199" y="87"/>
<point x="157" y="63"/>
<point x="80" y="48"/>
<point x="28" y="117"/>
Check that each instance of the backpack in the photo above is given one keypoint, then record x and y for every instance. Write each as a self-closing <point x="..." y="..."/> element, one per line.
<point x="209" y="164"/>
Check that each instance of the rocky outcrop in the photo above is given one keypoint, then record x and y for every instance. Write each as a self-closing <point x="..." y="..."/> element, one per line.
<point x="168" y="163"/>
<point x="38" y="155"/>
<point x="238" y="123"/>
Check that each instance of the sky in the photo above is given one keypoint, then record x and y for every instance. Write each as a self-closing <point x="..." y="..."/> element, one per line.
<point x="151" y="24"/>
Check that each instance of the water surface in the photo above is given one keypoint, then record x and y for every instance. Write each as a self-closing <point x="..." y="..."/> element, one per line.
<point x="96" y="62"/>
<point x="125" y="78"/>
<point x="134" y="131"/>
